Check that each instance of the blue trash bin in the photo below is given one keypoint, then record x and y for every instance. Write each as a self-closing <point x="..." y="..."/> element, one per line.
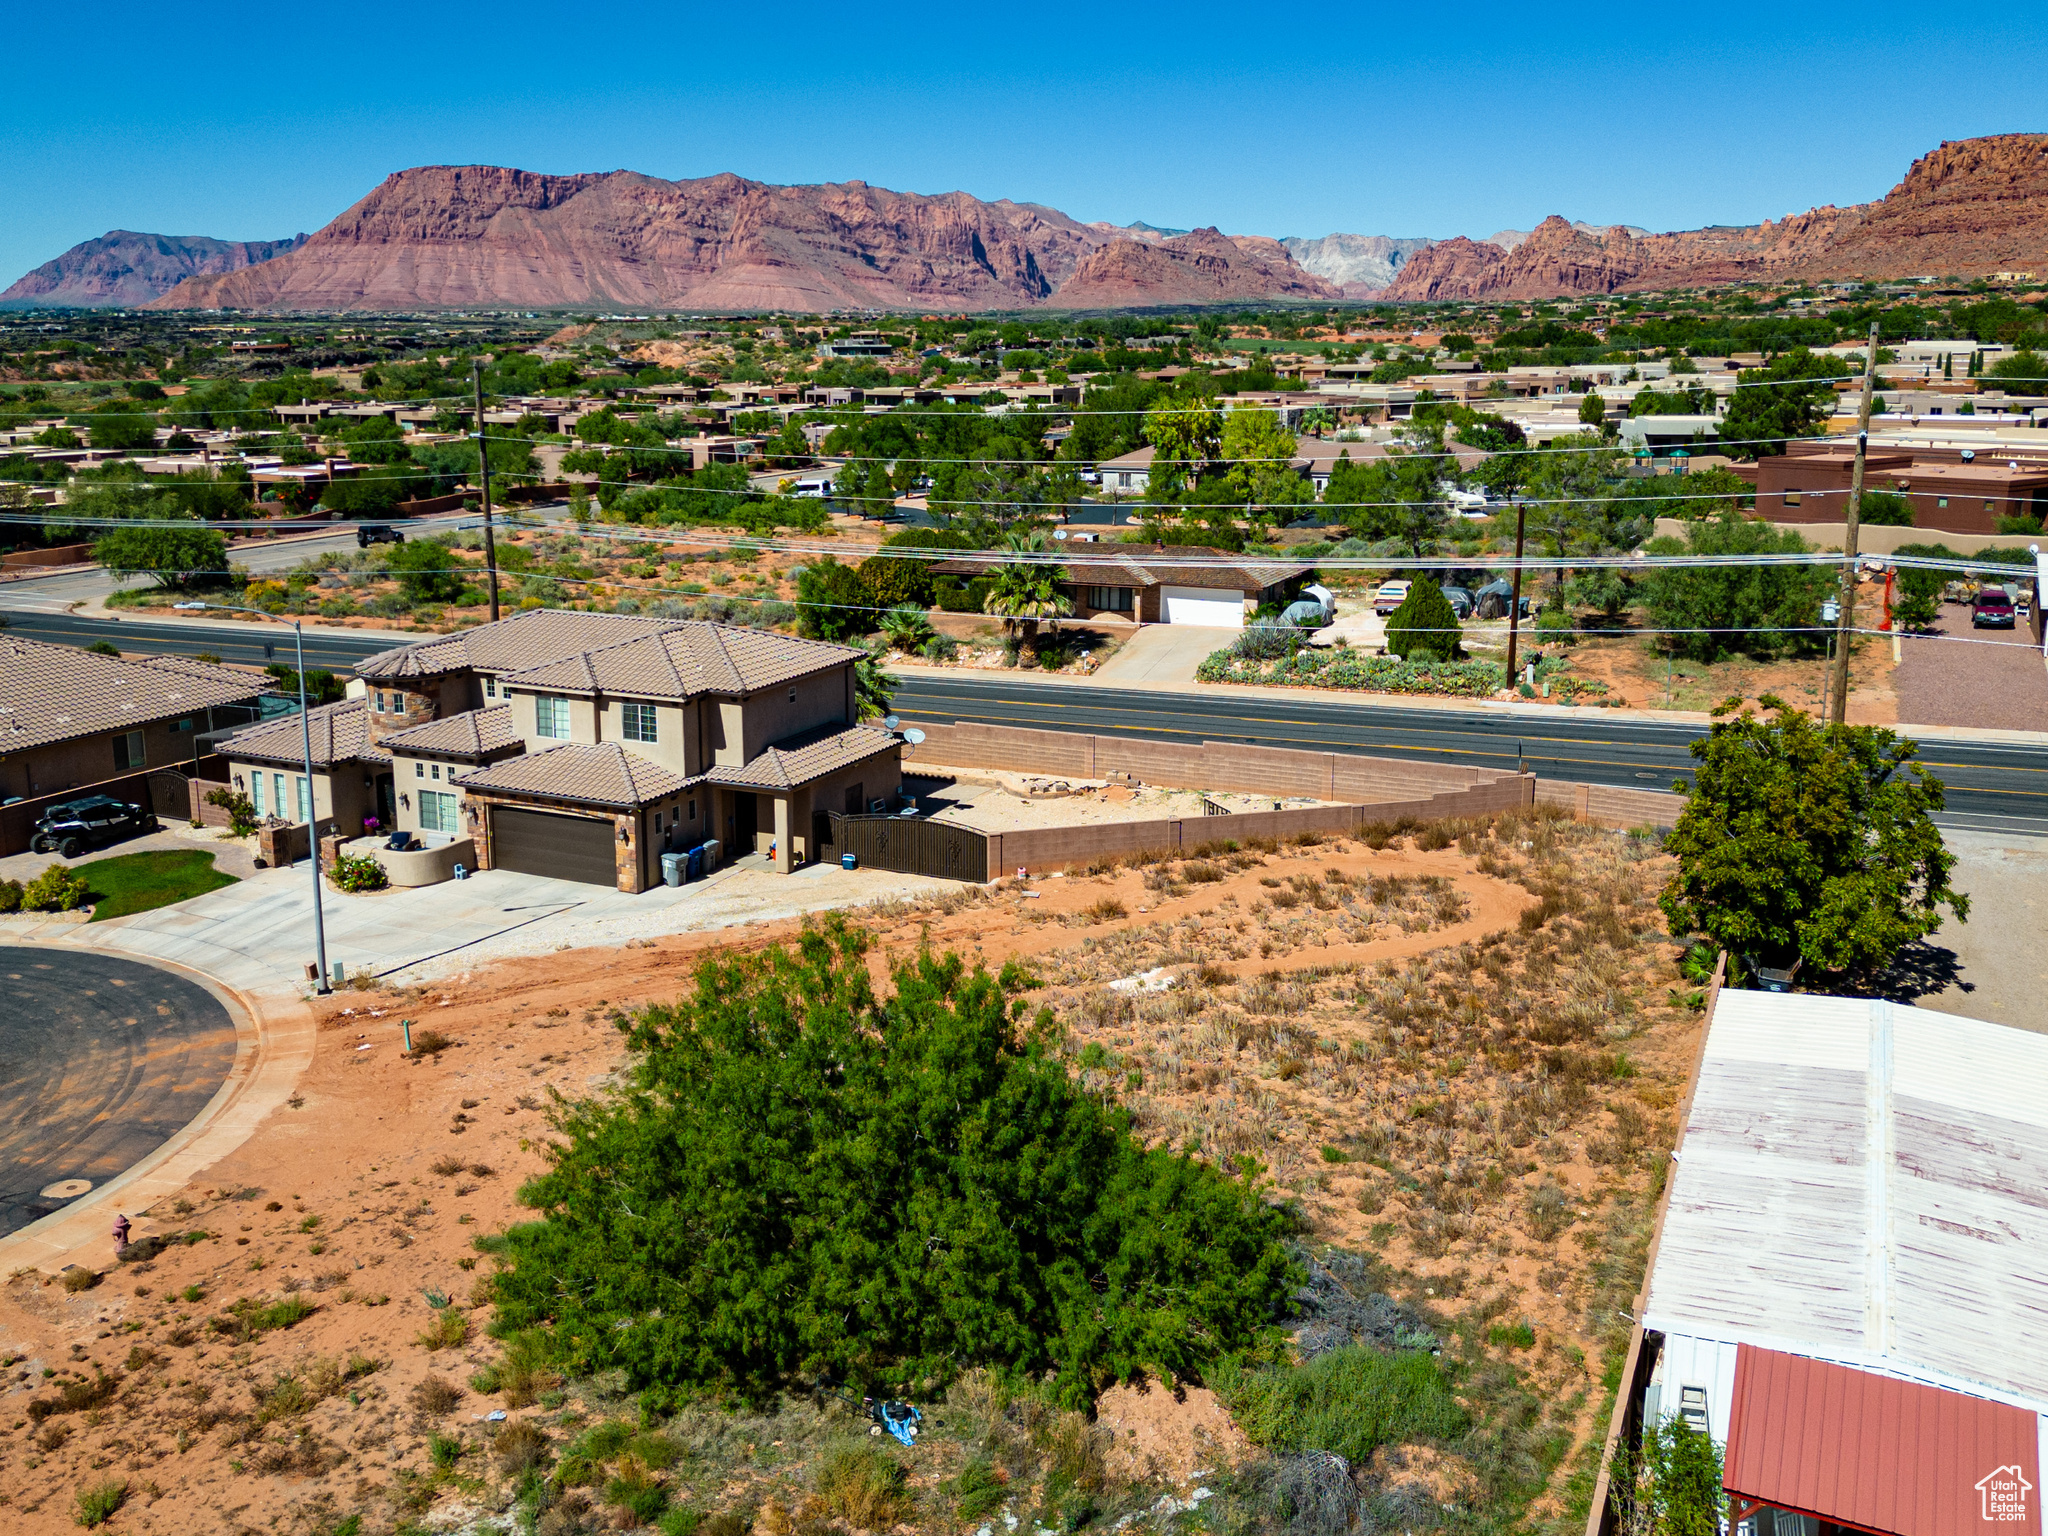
<point x="849" y="860"/>
<point x="696" y="865"/>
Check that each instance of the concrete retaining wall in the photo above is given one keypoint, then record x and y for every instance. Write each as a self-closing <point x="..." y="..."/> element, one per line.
<point x="1611" y="805"/>
<point x="1341" y="776"/>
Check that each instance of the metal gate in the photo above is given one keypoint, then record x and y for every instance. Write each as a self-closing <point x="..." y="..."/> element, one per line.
<point x="170" y="794"/>
<point x="563" y="847"/>
<point x="912" y="847"/>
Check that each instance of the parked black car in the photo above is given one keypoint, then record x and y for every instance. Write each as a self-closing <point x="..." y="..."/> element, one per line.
<point x="378" y="533"/>
<point x="97" y="820"/>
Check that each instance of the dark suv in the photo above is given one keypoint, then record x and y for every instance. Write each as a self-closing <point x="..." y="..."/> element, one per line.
<point x="1992" y="610"/>
<point x="94" y="822"/>
<point x="377" y="533"/>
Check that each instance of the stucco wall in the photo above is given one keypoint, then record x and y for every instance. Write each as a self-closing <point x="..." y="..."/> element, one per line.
<point x="90" y="759"/>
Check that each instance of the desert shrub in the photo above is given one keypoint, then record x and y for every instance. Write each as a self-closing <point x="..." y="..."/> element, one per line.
<point x="1350" y="1400"/>
<point x="633" y="1489"/>
<point x="1107" y="910"/>
<point x="862" y="1484"/>
<point x="357" y="872"/>
<point x="79" y="1278"/>
<point x="1549" y="1211"/>
<point x="96" y="1505"/>
<point x="486" y="1380"/>
<point x="56" y="889"/>
<point x="430" y="1042"/>
<point x="447" y="1167"/>
<point x="521" y="1447"/>
<point x="241" y="810"/>
<point x="10" y="895"/>
<point x="923" y="1170"/>
<point x="76" y="1397"/>
<point x="436" y="1395"/>
<point x="448" y="1330"/>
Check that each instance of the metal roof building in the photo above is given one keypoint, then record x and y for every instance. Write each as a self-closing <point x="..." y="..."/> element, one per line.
<point x="1855" y="1239"/>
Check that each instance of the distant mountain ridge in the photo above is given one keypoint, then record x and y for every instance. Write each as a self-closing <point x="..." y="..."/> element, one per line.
<point x="1968" y="208"/>
<point x="124" y="269"/>
<point x="496" y="237"/>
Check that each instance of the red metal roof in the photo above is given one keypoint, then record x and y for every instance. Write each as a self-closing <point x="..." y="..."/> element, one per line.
<point x="1881" y="1454"/>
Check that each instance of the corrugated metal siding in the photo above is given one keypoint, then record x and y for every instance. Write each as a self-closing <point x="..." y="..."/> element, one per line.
<point x="1765" y="1227"/>
<point x="1867" y="1183"/>
<point x="1688" y="1362"/>
<point x="1867" y="1450"/>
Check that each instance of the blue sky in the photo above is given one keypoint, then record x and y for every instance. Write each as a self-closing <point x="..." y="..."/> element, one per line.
<point x="243" y="121"/>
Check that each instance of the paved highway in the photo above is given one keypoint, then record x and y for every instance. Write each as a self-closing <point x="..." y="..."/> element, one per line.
<point x="1994" y="786"/>
<point x="1991" y="785"/>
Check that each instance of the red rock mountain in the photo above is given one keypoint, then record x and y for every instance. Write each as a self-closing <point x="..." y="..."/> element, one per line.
<point x="445" y="236"/>
<point x="123" y="268"/>
<point x="1968" y="209"/>
<point x="1200" y="267"/>
<point x="456" y="236"/>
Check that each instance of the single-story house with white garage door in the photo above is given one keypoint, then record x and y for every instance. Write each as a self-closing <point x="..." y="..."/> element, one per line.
<point x="1162" y="583"/>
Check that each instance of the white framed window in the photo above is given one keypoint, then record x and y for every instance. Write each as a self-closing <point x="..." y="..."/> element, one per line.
<point x="437" y="811"/>
<point x="490" y="686"/>
<point x="434" y="772"/>
<point x="277" y="800"/>
<point x="256" y="793"/>
<point x="1114" y="599"/>
<point x="551" y="716"/>
<point x="128" y="752"/>
<point x="637" y="722"/>
<point x="381" y="709"/>
<point x="419" y="769"/>
<point x="693" y="810"/>
<point x="305" y="786"/>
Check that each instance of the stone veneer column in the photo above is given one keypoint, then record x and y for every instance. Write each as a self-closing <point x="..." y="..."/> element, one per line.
<point x="412" y="709"/>
<point x="626" y="854"/>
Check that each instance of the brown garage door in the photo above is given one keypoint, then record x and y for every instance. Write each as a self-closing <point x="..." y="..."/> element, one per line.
<point x="562" y="847"/>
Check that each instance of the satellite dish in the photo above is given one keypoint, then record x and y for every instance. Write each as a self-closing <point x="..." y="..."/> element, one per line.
<point x="890" y="722"/>
<point x="914" y="736"/>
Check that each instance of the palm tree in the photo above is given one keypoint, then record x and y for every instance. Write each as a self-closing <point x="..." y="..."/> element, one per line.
<point x="1027" y="593"/>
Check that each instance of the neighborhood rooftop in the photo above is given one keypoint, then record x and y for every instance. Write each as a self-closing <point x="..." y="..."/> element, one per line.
<point x="51" y="693"/>
<point x="685" y="658"/>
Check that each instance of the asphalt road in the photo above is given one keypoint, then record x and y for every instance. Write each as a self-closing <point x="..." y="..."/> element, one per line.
<point x="1992" y="786"/>
<point x="101" y="1062"/>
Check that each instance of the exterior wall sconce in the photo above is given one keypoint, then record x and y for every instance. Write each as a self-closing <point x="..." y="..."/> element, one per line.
<point x="405" y="800"/>
<point x="625" y="833"/>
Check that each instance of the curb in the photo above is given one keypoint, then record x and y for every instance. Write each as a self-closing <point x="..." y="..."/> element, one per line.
<point x="272" y="1052"/>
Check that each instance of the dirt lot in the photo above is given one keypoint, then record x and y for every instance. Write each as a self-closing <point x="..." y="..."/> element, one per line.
<point x="1010" y="802"/>
<point x="1457" y="1051"/>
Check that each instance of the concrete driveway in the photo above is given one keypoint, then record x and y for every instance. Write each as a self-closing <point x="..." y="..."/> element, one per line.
<point x="1163" y="654"/>
<point x="257" y="936"/>
<point x="1999" y="972"/>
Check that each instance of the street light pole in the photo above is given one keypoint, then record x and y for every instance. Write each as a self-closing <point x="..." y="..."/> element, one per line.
<point x="483" y="472"/>
<point x="306" y="745"/>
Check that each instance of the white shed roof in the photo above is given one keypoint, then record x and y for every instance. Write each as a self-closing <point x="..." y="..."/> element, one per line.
<point x="1865" y="1182"/>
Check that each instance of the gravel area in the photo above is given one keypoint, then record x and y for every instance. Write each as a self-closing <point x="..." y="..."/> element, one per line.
<point x="999" y="802"/>
<point x="1946" y="680"/>
<point x="1991" y="967"/>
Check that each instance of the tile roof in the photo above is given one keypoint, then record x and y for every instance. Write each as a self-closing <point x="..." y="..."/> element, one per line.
<point x="688" y="657"/>
<point x="799" y="759"/>
<point x="341" y="734"/>
<point x="52" y="693"/>
<point x="475" y="733"/>
<point x="1153" y="565"/>
<point x="589" y="773"/>
<point x="529" y="639"/>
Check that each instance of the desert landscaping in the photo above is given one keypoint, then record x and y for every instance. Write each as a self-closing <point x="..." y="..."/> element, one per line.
<point x="1454" y="1049"/>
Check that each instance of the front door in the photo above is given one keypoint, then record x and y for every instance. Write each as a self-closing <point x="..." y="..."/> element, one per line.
<point x="385" y="813"/>
<point x="747" y="807"/>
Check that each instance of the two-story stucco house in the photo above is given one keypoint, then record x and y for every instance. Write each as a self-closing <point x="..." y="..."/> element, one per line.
<point x="584" y="746"/>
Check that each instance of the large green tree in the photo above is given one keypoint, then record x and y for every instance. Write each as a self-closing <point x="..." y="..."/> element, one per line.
<point x="171" y="555"/>
<point x="1793" y="397"/>
<point x="1186" y="434"/>
<point x="1799" y="840"/>
<point x="798" y="1177"/>
<point x="1709" y="611"/>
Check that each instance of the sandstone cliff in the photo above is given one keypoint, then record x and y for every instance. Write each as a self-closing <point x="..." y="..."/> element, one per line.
<point x="1201" y="267"/>
<point x="123" y="269"/>
<point x="489" y="236"/>
<point x="1970" y="208"/>
<point x="1360" y="265"/>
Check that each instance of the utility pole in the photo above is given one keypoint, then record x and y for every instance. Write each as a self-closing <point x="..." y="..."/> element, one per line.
<point x="1845" y="615"/>
<point x="1515" y="602"/>
<point x="483" y="471"/>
